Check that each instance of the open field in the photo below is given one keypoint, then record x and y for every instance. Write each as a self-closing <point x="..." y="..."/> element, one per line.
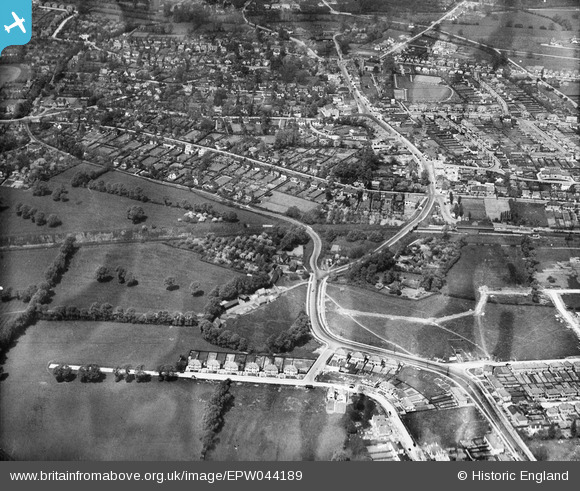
<point x="158" y="192"/>
<point x="151" y="263"/>
<point x="420" y="90"/>
<point x="474" y="208"/>
<point x="520" y="332"/>
<point x="354" y="298"/>
<point x="446" y="427"/>
<point x="491" y="265"/>
<point x="272" y="423"/>
<point x="9" y="73"/>
<point x="42" y="419"/>
<point x="280" y="202"/>
<point x="530" y="214"/>
<point x="425" y="340"/>
<point x="20" y="268"/>
<point x="273" y="318"/>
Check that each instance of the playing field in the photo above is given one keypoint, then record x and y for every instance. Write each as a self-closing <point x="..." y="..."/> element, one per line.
<point x="9" y="73"/>
<point x="150" y="263"/>
<point x="423" y="89"/>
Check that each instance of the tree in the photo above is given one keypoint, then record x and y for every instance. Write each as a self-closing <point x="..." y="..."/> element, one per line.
<point x="170" y="283"/>
<point x="121" y="274"/>
<point x="195" y="289"/>
<point x="60" y="193"/>
<point x="63" y="373"/>
<point x="102" y="274"/>
<point x="40" y="188"/>
<point x="53" y="220"/>
<point x="130" y="279"/>
<point x="90" y="373"/>
<point x="136" y="214"/>
<point x="119" y="374"/>
<point x="39" y="218"/>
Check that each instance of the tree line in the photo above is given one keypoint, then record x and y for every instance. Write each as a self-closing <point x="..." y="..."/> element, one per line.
<point x="213" y="419"/>
<point x="10" y="331"/>
<point x="297" y="335"/>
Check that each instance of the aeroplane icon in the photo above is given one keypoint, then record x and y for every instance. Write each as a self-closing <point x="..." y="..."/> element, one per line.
<point x="17" y="23"/>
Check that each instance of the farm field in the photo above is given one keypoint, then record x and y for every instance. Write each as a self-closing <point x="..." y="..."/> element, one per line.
<point x="147" y="421"/>
<point x="354" y="298"/>
<point x="23" y="267"/>
<point x="521" y="332"/>
<point x="446" y="427"/>
<point x="271" y="423"/>
<point x="273" y="318"/>
<point x="491" y="265"/>
<point x="151" y="263"/>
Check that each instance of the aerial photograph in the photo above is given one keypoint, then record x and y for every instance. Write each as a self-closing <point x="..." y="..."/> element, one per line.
<point x="290" y="230"/>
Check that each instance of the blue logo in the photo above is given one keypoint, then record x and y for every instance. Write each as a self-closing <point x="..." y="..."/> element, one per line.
<point x="15" y="22"/>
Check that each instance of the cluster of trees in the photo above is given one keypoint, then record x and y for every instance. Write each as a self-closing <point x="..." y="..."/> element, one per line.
<point x="70" y="145"/>
<point x="222" y="337"/>
<point x="82" y="178"/>
<point x="106" y="312"/>
<point x="37" y="216"/>
<point x="207" y="208"/>
<point x="9" y="331"/>
<point x="167" y="373"/>
<point x="119" y="189"/>
<point x="104" y="274"/>
<point x="240" y="285"/>
<point x="297" y="335"/>
<point x="213" y="419"/>
<point x="362" y="168"/>
<point x="136" y="214"/>
<point x="124" y="373"/>
<point x="40" y="188"/>
<point x="368" y="270"/>
<point x="91" y="373"/>
<point x="63" y="373"/>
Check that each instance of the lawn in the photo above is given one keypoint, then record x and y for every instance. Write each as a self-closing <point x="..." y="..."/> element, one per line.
<point x="151" y="263"/>
<point x="355" y="298"/>
<point x="524" y="332"/>
<point x="273" y="318"/>
<point x="446" y="427"/>
<point x="41" y="419"/>
<point x="491" y="265"/>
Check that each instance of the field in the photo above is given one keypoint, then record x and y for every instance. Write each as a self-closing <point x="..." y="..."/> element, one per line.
<point x="521" y="332"/>
<point x="278" y="424"/>
<point x="446" y="427"/>
<point x="42" y="419"/>
<point x="368" y="301"/>
<point x="475" y="208"/>
<point x="273" y="318"/>
<point x="530" y="214"/>
<point x="419" y="91"/>
<point x="151" y="263"/>
<point x="20" y="268"/>
<point x="491" y="265"/>
<point x="9" y="73"/>
<point x="425" y="340"/>
<point x="280" y="202"/>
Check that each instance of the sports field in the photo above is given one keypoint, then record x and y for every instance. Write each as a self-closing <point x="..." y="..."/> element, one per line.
<point x="423" y="89"/>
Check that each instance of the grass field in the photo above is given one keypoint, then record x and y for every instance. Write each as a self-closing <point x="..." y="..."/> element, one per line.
<point x="475" y="207"/>
<point x="273" y="318"/>
<point x="419" y="91"/>
<point x="446" y="427"/>
<point x="151" y="263"/>
<point x="368" y="301"/>
<point x="522" y="332"/>
<point x="42" y="419"/>
<point x="20" y="268"/>
<point x="490" y="265"/>
<point x="9" y="73"/>
<point x="425" y="340"/>
<point x="280" y="202"/>
<point x="270" y="423"/>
